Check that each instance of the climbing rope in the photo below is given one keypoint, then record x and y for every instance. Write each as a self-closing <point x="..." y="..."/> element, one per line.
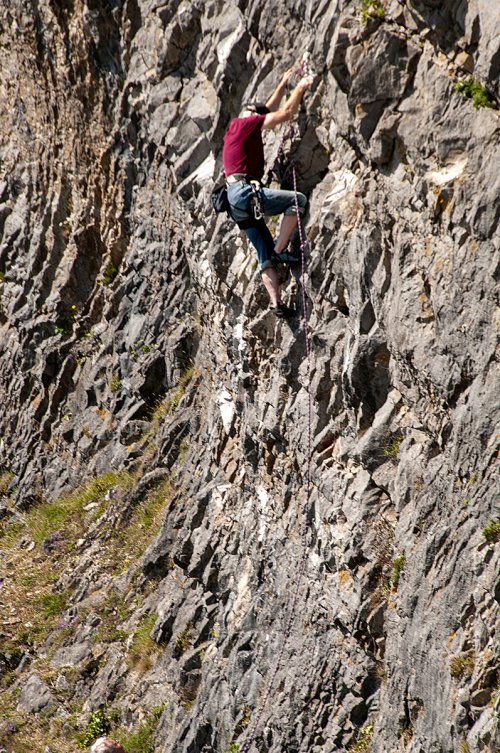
<point x="245" y="748"/>
<point x="307" y="340"/>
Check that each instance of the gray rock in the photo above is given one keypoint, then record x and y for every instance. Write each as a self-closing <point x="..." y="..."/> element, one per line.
<point x="35" y="696"/>
<point x="127" y="309"/>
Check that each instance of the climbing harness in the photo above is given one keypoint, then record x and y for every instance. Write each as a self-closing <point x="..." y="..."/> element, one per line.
<point x="247" y="744"/>
<point x="255" y="208"/>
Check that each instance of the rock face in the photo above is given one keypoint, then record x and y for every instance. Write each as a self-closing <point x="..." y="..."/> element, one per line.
<point x="135" y="337"/>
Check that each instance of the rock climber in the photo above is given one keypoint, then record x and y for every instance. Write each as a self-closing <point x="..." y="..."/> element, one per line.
<point x="243" y="158"/>
<point x="107" y="745"/>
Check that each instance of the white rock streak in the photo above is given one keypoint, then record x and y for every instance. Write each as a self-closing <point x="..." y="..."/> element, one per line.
<point x="227" y="409"/>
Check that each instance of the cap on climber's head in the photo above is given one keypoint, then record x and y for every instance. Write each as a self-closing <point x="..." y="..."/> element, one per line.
<point x="107" y="745"/>
<point x="257" y="107"/>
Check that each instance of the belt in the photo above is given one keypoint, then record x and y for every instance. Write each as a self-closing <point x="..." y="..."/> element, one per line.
<point x="236" y="177"/>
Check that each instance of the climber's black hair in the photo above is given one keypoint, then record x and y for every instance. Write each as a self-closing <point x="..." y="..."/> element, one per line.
<point x="258" y="107"/>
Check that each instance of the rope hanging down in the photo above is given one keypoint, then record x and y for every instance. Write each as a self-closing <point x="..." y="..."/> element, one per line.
<point x="245" y="748"/>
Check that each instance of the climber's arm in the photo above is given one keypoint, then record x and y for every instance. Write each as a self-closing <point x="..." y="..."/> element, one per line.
<point x="274" y="100"/>
<point x="291" y="106"/>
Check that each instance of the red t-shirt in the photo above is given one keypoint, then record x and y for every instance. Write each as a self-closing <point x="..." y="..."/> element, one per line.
<point x="243" y="150"/>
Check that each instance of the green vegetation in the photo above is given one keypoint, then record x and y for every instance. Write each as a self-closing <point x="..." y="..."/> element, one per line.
<point x="371" y="9"/>
<point x="171" y="402"/>
<point x="183" y="640"/>
<point x="69" y="511"/>
<point x="34" y="601"/>
<point x="398" y="566"/>
<point x="491" y="531"/>
<point x="111" y="612"/>
<point x="405" y="734"/>
<point x="110" y="272"/>
<point x="66" y="227"/>
<point x="462" y="666"/>
<point x="53" y="604"/>
<point x="474" y="90"/>
<point x="27" y="733"/>
<point x="99" y="724"/>
<point x="463" y="746"/>
<point x="233" y="748"/>
<point x="144" y="349"/>
<point x="142" y="740"/>
<point x="115" y="383"/>
<point x="67" y="321"/>
<point x="144" y="649"/>
<point x="128" y="543"/>
<point x="363" y="741"/>
<point x="6" y="478"/>
<point x="38" y="605"/>
<point x="21" y="732"/>
<point x="244" y="721"/>
<point x="392" y="450"/>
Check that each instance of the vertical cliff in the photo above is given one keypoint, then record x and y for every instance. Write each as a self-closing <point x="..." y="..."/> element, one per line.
<point x="165" y="574"/>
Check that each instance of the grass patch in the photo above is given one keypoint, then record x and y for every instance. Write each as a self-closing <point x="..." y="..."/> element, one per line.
<point x="112" y="611"/>
<point x="398" y="566"/>
<point x="462" y="666"/>
<point x="26" y="733"/>
<point x="127" y="544"/>
<point x="141" y="741"/>
<point x="35" y="607"/>
<point x="371" y="9"/>
<point x="20" y="732"/>
<point x="392" y="450"/>
<point x="183" y="640"/>
<point x="99" y="724"/>
<point x="170" y="404"/>
<point x="110" y="272"/>
<point x="115" y="383"/>
<point x="69" y="511"/>
<point x="6" y="478"/>
<point x="491" y="531"/>
<point x="144" y="649"/>
<point x="405" y="735"/>
<point x="53" y="604"/>
<point x="363" y="741"/>
<point x="476" y="91"/>
<point x="246" y="715"/>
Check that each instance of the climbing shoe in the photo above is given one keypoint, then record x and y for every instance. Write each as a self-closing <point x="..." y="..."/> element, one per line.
<point x="282" y="311"/>
<point x="287" y="258"/>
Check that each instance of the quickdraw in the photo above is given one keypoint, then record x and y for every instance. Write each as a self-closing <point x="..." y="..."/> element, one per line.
<point x="256" y="201"/>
